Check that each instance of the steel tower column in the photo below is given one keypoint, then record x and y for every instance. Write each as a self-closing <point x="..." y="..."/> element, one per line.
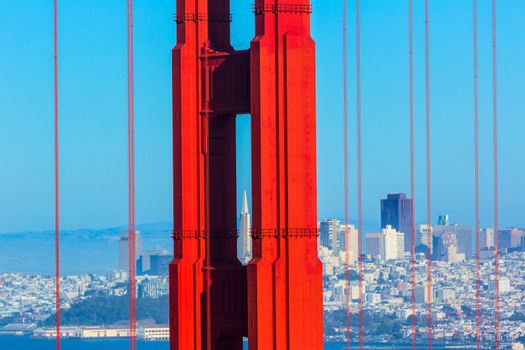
<point x="285" y="275"/>
<point x="189" y="209"/>
<point x="214" y="302"/>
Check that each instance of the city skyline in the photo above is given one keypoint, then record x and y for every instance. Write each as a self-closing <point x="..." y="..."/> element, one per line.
<point x="191" y="112"/>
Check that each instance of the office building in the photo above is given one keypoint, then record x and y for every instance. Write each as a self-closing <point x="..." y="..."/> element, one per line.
<point x="392" y="244"/>
<point x="329" y="234"/>
<point x="396" y="211"/>
<point x="443" y="220"/>
<point x="486" y="237"/>
<point x="373" y="244"/>
<point x="348" y="239"/>
<point x="442" y="241"/>
<point x="123" y="250"/>
<point x="422" y="237"/>
<point x="244" y="242"/>
<point x="510" y="238"/>
<point x="463" y="235"/>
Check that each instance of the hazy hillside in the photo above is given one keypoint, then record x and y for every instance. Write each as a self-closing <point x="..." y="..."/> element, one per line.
<point x="82" y="251"/>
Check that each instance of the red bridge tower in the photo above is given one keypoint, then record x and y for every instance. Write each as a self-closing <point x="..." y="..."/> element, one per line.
<point x="276" y="301"/>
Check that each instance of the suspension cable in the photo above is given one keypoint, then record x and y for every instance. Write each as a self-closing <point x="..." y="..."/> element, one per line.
<point x="476" y="176"/>
<point x="412" y="190"/>
<point x="428" y="168"/>
<point x="57" y="182"/>
<point x="359" y="171"/>
<point x="345" y="153"/>
<point x="496" y="183"/>
<point x="131" y="183"/>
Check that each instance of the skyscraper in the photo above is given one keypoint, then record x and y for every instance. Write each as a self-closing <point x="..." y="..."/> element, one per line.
<point x="373" y="244"/>
<point x="392" y="244"/>
<point x="329" y="234"/>
<point x="510" y="238"/>
<point x="442" y="241"/>
<point x="352" y="245"/>
<point x="154" y="262"/>
<point x="244" y="244"/>
<point x="463" y="235"/>
<point x="422" y="237"/>
<point x="487" y="238"/>
<point x="443" y="220"/>
<point x="396" y="211"/>
<point x="123" y="249"/>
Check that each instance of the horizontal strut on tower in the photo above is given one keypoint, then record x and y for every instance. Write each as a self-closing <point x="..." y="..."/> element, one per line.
<point x="285" y="233"/>
<point x="201" y="17"/>
<point x="282" y="8"/>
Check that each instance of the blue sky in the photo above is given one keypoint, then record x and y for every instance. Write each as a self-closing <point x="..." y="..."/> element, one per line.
<point x="93" y="109"/>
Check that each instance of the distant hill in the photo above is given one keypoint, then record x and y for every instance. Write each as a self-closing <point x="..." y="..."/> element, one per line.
<point x="82" y="251"/>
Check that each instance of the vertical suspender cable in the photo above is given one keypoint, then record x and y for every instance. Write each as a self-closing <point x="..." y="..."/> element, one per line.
<point x="495" y="150"/>
<point x="345" y="153"/>
<point x="359" y="169"/>
<point x="412" y="191"/>
<point x="57" y="189"/>
<point x="429" y="213"/>
<point x="476" y="176"/>
<point x="131" y="183"/>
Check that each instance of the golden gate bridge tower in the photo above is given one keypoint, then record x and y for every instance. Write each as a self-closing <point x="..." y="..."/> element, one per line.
<point x="215" y="301"/>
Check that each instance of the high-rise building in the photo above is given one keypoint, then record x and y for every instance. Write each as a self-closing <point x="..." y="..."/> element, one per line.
<point x="422" y="236"/>
<point x="442" y="241"/>
<point x="353" y="242"/>
<point x="373" y="244"/>
<point x="443" y="220"/>
<point x="463" y="235"/>
<point x="510" y="238"/>
<point x="486" y="238"/>
<point x="392" y="244"/>
<point x="244" y="243"/>
<point x="329" y="233"/>
<point x="123" y="249"/>
<point x="396" y="211"/>
<point x="154" y="262"/>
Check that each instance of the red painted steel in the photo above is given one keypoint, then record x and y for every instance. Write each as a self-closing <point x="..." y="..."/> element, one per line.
<point x="57" y="179"/>
<point x="214" y="300"/>
<point x="412" y="165"/>
<point x="496" y="182"/>
<point x="429" y="212"/>
<point x="345" y="154"/>
<point x="131" y="184"/>
<point x="285" y="275"/>
<point x="359" y="169"/>
<point x="476" y="176"/>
